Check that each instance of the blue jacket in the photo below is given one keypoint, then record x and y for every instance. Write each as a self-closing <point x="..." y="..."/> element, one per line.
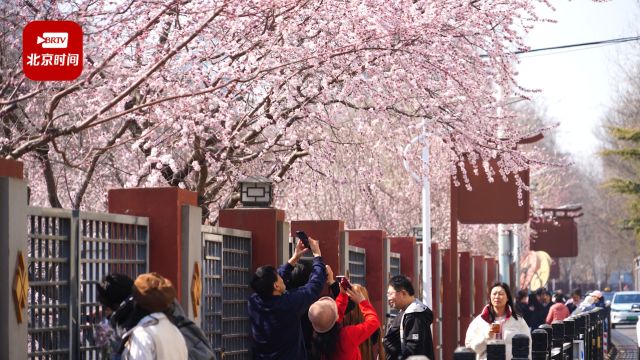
<point x="275" y="321"/>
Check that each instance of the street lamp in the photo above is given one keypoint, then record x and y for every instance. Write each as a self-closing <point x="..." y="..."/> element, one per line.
<point x="425" y="236"/>
<point x="256" y="191"/>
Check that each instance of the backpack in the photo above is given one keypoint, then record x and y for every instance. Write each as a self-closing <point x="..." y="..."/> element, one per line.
<point x="198" y="346"/>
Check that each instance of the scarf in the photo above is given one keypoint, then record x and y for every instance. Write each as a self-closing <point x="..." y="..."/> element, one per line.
<point x="486" y="315"/>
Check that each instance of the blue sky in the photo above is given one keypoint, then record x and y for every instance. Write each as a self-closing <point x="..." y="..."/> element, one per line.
<point x="579" y="85"/>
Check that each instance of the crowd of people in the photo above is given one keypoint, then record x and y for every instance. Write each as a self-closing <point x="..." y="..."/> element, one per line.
<point x="502" y="318"/>
<point x="290" y="319"/>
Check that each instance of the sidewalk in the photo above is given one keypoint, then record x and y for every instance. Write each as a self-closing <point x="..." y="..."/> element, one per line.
<point x="623" y="352"/>
<point x="624" y="344"/>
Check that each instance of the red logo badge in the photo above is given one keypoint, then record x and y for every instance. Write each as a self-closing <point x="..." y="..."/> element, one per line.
<point x="52" y="50"/>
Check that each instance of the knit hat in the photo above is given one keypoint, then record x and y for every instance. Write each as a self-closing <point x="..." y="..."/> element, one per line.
<point x="153" y="292"/>
<point x="323" y="314"/>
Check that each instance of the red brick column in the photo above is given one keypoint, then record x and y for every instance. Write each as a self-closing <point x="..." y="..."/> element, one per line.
<point x="406" y="247"/>
<point x="163" y="207"/>
<point x="372" y="241"/>
<point x="450" y="317"/>
<point x="11" y="168"/>
<point x="480" y="285"/>
<point x="466" y="293"/>
<point x="492" y="274"/>
<point x="263" y="224"/>
<point x="328" y="233"/>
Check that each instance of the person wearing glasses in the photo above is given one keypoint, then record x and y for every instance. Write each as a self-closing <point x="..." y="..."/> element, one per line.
<point x="409" y="333"/>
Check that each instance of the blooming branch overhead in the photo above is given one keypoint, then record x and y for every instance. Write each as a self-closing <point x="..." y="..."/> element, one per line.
<point x="198" y="94"/>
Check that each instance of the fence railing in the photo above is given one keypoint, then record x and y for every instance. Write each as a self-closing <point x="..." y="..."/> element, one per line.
<point x="577" y="337"/>
<point x="69" y="252"/>
<point x="226" y="277"/>
<point x="394" y="264"/>
<point x="357" y="265"/>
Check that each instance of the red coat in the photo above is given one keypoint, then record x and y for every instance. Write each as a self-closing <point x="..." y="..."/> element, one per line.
<point x="352" y="336"/>
<point x="557" y="311"/>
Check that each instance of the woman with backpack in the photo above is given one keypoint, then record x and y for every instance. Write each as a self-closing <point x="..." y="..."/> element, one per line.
<point x="115" y="294"/>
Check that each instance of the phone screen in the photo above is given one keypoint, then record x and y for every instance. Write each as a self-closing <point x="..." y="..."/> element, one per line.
<point x="303" y="237"/>
<point x="345" y="283"/>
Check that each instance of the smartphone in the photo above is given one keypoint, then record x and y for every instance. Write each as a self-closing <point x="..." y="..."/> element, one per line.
<point x="344" y="283"/>
<point x="304" y="238"/>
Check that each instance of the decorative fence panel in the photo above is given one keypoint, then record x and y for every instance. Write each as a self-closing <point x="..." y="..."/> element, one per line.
<point x="226" y="278"/>
<point x="394" y="264"/>
<point x="357" y="265"/>
<point x="69" y="253"/>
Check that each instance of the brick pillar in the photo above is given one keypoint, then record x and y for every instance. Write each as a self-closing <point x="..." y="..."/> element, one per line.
<point x="269" y="233"/>
<point x="163" y="207"/>
<point x="492" y="274"/>
<point x="331" y="234"/>
<point x="13" y="239"/>
<point x="480" y="284"/>
<point x="406" y="246"/>
<point x="466" y="293"/>
<point x="377" y="265"/>
<point x="11" y="168"/>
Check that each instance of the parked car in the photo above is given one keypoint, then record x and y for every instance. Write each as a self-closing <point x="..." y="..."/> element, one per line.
<point x="608" y="295"/>
<point x="623" y="310"/>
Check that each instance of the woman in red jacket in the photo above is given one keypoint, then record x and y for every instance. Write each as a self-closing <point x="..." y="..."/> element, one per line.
<point x="331" y="339"/>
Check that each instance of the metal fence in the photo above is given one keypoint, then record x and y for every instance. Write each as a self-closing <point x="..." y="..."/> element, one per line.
<point x="226" y="276"/>
<point x="357" y="265"/>
<point x="394" y="264"/>
<point x="69" y="252"/>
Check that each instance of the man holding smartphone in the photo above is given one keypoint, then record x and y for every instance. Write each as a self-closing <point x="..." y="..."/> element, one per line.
<point x="275" y="312"/>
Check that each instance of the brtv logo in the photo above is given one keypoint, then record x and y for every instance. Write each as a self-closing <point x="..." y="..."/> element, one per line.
<point x="52" y="50"/>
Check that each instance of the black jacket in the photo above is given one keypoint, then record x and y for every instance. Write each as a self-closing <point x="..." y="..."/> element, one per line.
<point x="417" y="337"/>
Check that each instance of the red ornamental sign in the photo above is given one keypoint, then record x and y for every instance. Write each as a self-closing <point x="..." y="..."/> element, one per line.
<point x="491" y="202"/>
<point x="52" y="50"/>
<point x="557" y="236"/>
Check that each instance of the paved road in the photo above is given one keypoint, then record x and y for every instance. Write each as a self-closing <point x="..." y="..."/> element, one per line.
<point x="624" y="338"/>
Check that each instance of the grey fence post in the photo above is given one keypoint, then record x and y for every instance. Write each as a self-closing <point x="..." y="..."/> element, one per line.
<point x="496" y="350"/>
<point x="192" y="244"/>
<point x="580" y="348"/>
<point x="464" y="353"/>
<point x="343" y="249"/>
<point x="386" y="267"/>
<point x="569" y="334"/>
<point x="13" y="240"/>
<point x="284" y="252"/>
<point x="539" y="345"/>
<point x="558" y="334"/>
<point x="549" y="330"/>
<point x="520" y="347"/>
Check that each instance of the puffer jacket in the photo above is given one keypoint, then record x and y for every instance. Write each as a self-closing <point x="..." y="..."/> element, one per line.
<point x="478" y="333"/>
<point x="155" y="337"/>
<point x="409" y="333"/>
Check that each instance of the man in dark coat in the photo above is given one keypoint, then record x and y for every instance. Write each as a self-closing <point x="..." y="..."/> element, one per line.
<point x="522" y="305"/>
<point x="409" y="333"/>
<point x="541" y="306"/>
<point x="275" y="312"/>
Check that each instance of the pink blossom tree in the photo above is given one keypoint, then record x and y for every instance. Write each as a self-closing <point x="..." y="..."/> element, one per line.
<point x="198" y="94"/>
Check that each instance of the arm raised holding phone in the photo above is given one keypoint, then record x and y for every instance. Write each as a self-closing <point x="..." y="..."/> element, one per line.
<point x="302" y="248"/>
